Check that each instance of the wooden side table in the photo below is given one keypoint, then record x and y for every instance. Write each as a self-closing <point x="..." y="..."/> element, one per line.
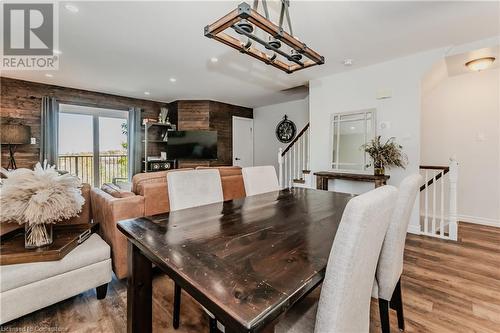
<point x="322" y="178"/>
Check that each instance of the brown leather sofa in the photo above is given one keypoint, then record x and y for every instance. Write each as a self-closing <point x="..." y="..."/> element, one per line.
<point x="148" y="196"/>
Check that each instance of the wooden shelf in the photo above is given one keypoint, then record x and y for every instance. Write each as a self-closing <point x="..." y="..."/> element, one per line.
<point x="159" y="124"/>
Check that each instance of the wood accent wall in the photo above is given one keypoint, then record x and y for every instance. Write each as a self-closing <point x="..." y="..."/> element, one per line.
<point x="214" y="116"/>
<point x="20" y="102"/>
<point x="221" y="120"/>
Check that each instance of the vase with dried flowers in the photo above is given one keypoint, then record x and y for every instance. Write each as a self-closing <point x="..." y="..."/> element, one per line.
<point x="385" y="155"/>
<point x="39" y="198"/>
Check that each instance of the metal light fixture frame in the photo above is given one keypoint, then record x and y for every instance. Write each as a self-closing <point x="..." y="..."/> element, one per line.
<point x="245" y="12"/>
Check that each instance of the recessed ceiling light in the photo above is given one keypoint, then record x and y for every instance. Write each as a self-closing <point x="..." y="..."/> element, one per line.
<point x="49" y="75"/>
<point x="347" y="62"/>
<point x="214" y="59"/>
<point x="56" y="51"/>
<point x="71" y="8"/>
<point x="147" y="93"/>
<point x="480" y="64"/>
<point x="173" y="79"/>
<point x="353" y="128"/>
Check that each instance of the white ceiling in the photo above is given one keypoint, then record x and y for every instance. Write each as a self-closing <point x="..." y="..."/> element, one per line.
<point x="126" y="48"/>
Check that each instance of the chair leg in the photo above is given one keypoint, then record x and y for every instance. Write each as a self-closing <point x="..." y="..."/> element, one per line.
<point x="177" y="306"/>
<point x="397" y="304"/>
<point x="383" y="307"/>
<point x="101" y="291"/>
<point x="212" y="323"/>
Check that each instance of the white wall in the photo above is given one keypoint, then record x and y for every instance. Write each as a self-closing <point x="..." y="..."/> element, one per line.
<point x="265" y="119"/>
<point x="461" y="116"/>
<point x="357" y="90"/>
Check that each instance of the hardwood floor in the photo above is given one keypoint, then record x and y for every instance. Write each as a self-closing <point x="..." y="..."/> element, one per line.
<point x="447" y="287"/>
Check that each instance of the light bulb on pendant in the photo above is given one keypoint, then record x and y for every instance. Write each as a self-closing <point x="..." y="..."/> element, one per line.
<point x="271" y="55"/>
<point x="246" y="26"/>
<point x="245" y="42"/>
<point x="274" y="42"/>
<point x="295" y="55"/>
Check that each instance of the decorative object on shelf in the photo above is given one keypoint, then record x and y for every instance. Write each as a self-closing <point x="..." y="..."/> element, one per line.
<point x="286" y="130"/>
<point x="147" y="121"/>
<point x="385" y="155"/>
<point x="163" y="116"/>
<point x="164" y="135"/>
<point x="13" y="135"/>
<point x="160" y="165"/>
<point x="246" y="24"/>
<point x="39" y="198"/>
<point x="157" y="133"/>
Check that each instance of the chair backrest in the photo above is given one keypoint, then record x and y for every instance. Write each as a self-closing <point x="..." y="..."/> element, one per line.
<point x="390" y="264"/>
<point x="194" y="188"/>
<point x="232" y="181"/>
<point x="260" y="179"/>
<point x="344" y="304"/>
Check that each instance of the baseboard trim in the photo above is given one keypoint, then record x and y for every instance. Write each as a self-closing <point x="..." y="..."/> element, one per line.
<point x="479" y="220"/>
<point x="414" y="229"/>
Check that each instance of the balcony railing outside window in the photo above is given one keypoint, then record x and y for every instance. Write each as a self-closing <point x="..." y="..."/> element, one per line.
<point x="110" y="167"/>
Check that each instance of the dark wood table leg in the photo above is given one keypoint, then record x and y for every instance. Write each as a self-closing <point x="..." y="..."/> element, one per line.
<point x="139" y="292"/>
<point x="322" y="183"/>
<point x="177" y="306"/>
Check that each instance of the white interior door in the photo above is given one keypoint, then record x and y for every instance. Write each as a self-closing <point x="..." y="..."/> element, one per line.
<point x="242" y="142"/>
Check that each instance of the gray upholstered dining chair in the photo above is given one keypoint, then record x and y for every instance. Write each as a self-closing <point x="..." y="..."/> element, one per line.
<point x="187" y="189"/>
<point x="387" y="284"/>
<point x="260" y="179"/>
<point x="344" y="301"/>
<point x="194" y="188"/>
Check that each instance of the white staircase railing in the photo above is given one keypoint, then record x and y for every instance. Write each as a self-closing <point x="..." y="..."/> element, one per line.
<point x="293" y="162"/>
<point x="438" y="208"/>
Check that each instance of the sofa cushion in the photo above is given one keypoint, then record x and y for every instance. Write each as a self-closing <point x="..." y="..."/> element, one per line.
<point x="116" y="191"/>
<point x="140" y="179"/>
<point x="91" y="251"/>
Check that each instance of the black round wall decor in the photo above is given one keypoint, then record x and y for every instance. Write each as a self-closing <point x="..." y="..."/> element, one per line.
<point x="286" y="130"/>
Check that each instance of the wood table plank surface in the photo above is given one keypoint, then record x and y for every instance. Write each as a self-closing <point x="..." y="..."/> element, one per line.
<point x="247" y="260"/>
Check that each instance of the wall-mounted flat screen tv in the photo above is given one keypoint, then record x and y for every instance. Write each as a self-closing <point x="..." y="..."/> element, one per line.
<point x="192" y="145"/>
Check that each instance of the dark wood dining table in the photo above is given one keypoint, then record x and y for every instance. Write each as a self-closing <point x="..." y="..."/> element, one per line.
<point x="246" y="261"/>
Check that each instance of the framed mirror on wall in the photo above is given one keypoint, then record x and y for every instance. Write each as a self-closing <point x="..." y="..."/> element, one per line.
<point x="349" y="131"/>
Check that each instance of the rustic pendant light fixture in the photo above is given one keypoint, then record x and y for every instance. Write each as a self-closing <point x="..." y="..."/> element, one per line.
<point x="245" y="20"/>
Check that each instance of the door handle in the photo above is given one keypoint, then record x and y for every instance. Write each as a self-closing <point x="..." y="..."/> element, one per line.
<point x="237" y="159"/>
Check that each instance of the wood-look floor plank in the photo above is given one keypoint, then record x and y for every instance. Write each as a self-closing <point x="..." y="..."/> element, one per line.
<point x="447" y="287"/>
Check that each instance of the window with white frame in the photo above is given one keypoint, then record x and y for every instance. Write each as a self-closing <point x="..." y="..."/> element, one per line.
<point x="350" y="131"/>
